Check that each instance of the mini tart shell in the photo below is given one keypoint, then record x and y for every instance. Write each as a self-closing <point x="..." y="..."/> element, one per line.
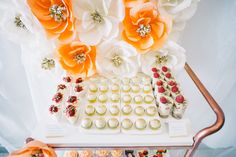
<point x="126" y="113"/>
<point x="101" y="114"/>
<point x="102" y="101"/>
<point x="140" y="108"/>
<point x="88" y="120"/>
<point x="100" y="120"/>
<point x="135" y="99"/>
<point x="114" y="120"/>
<point x="112" y="113"/>
<point x="93" y="90"/>
<point x="148" y="101"/>
<point x="89" y="114"/>
<point x="92" y="100"/>
<point x="140" y="120"/>
<point x="152" y="127"/>
<point x="151" y="114"/>
<point x="129" y="122"/>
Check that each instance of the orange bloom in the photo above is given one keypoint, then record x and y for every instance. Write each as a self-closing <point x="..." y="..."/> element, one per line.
<point x="144" y="27"/>
<point x="56" y="17"/>
<point x="77" y="57"/>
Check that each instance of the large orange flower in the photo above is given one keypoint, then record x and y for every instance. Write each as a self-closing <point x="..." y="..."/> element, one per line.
<point x="144" y="27"/>
<point x="56" y="17"/>
<point x="77" y="57"/>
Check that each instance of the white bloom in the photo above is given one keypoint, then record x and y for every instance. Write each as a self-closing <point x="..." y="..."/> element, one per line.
<point x="171" y="55"/>
<point x="98" y="19"/>
<point x="117" y="58"/>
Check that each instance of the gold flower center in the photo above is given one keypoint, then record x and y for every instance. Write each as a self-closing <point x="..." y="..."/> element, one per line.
<point x="56" y="12"/>
<point x="117" y="60"/>
<point x="161" y="59"/>
<point x="97" y="18"/>
<point x="144" y="30"/>
<point x="80" y="57"/>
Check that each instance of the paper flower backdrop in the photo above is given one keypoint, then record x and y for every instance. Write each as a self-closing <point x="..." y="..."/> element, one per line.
<point x="109" y="37"/>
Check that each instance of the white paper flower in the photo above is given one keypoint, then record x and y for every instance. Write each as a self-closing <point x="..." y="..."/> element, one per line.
<point x="171" y="55"/>
<point x="98" y="19"/>
<point x="117" y="58"/>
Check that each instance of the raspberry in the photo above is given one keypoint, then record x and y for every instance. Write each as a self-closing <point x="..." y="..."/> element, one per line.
<point x="79" y="80"/>
<point x="172" y="83"/>
<point x="179" y="99"/>
<point x="174" y="89"/>
<point x="145" y="152"/>
<point x="57" y="97"/>
<point x="61" y="86"/>
<point x="159" y="83"/>
<point x="156" y="75"/>
<point x="70" y="110"/>
<point x="72" y="99"/>
<point x="154" y="69"/>
<point x="164" y="69"/>
<point x="67" y="79"/>
<point x="78" y="88"/>
<point x="163" y="100"/>
<point x="53" y="109"/>
<point x="168" y="75"/>
<point x="161" y="90"/>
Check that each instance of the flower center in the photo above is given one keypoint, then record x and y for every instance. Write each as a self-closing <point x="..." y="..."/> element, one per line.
<point x="144" y="30"/>
<point x="161" y="59"/>
<point x="80" y="57"/>
<point x="48" y="64"/>
<point x="19" y="23"/>
<point x="97" y="18"/>
<point x="56" y="12"/>
<point x="117" y="60"/>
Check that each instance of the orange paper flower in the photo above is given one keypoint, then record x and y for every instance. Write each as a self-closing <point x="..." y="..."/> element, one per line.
<point x="77" y="57"/>
<point x="56" y="17"/>
<point x="34" y="148"/>
<point x="144" y="27"/>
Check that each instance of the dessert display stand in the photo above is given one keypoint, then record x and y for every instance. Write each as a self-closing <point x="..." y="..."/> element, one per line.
<point x="125" y="141"/>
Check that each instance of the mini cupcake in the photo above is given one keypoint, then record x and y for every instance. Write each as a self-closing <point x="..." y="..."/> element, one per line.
<point x="55" y="111"/>
<point x="101" y="109"/>
<point x="102" y="153"/>
<point x="113" y="123"/>
<point x="115" y="88"/>
<point x="180" y="106"/>
<point x="126" y="99"/>
<point x="100" y="123"/>
<point x="72" y="100"/>
<point x="91" y="97"/>
<point x="114" y="110"/>
<point x="127" y="109"/>
<point x="93" y="88"/>
<point x="103" y="88"/>
<point x="86" y="123"/>
<point x="139" y="110"/>
<point x="89" y="110"/>
<point x="126" y="124"/>
<point x="151" y="110"/>
<point x="102" y="98"/>
<point x="147" y="88"/>
<point x="138" y="99"/>
<point x="154" y="124"/>
<point x="116" y="153"/>
<point x="135" y="88"/>
<point x="57" y="98"/>
<point x="126" y="88"/>
<point x="72" y="113"/>
<point x="148" y="99"/>
<point x="115" y="97"/>
<point x="140" y="124"/>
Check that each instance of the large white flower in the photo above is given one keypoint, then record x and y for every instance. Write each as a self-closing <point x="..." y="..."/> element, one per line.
<point x="98" y="19"/>
<point x="171" y="55"/>
<point x="117" y="58"/>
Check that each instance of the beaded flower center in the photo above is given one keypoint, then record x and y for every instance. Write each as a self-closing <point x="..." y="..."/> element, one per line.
<point x="80" y="57"/>
<point x="56" y="12"/>
<point x="117" y="60"/>
<point x="144" y="30"/>
<point x="161" y="59"/>
<point x="19" y="23"/>
<point x="48" y="64"/>
<point x="97" y="18"/>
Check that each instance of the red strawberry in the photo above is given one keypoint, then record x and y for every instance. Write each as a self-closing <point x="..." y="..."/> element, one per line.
<point x="145" y="152"/>
<point x="159" y="83"/>
<point x="164" y="69"/>
<point x="172" y="83"/>
<point x="161" y="90"/>
<point x="78" y="88"/>
<point x="168" y="75"/>
<point x="79" y="80"/>
<point x="70" y="110"/>
<point x="163" y="100"/>
<point x="156" y="75"/>
<point x="174" y="89"/>
<point x="179" y="99"/>
<point x="154" y="69"/>
<point x="67" y="79"/>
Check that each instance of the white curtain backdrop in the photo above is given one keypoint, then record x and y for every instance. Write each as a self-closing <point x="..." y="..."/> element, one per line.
<point x="209" y="39"/>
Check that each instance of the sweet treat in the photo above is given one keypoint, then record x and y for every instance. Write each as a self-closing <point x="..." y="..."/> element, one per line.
<point x="154" y="124"/>
<point x="100" y="123"/>
<point x="147" y="88"/>
<point x="113" y="123"/>
<point x="138" y="99"/>
<point x="143" y="153"/>
<point x="85" y="153"/>
<point x="101" y="109"/>
<point x="86" y="123"/>
<point x="71" y="153"/>
<point x="139" y="110"/>
<point x="125" y="80"/>
<point x="140" y="124"/>
<point x="164" y="69"/>
<point x="103" y="88"/>
<point x="78" y="88"/>
<point x="151" y="110"/>
<point x="135" y="88"/>
<point x="102" y="98"/>
<point x="171" y="84"/>
<point x="90" y="110"/>
<point x="115" y="88"/>
<point x="67" y="79"/>
<point x="93" y="88"/>
<point x="102" y="153"/>
<point x="168" y="76"/>
<point x="126" y="124"/>
<point x="72" y="113"/>
<point x="127" y="109"/>
<point x="115" y="97"/>
<point x="180" y="106"/>
<point x="92" y="97"/>
<point x="175" y="91"/>
<point x="55" y="111"/>
<point x="162" y="91"/>
<point x="114" y="110"/>
<point x="127" y="98"/>
<point x="79" y="80"/>
<point x="148" y="99"/>
<point x="126" y="88"/>
<point x="57" y="98"/>
<point x="161" y="83"/>
<point x="72" y="100"/>
<point x="165" y="105"/>
<point x="61" y="88"/>
<point x="116" y="153"/>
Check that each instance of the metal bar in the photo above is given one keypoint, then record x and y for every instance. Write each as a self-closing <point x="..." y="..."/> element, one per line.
<point x="220" y="118"/>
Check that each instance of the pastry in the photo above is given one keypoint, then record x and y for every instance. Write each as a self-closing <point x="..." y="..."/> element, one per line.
<point x="140" y="124"/>
<point x="73" y="100"/>
<point x="115" y="97"/>
<point x="127" y="109"/>
<point x="102" y="98"/>
<point x="116" y="153"/>
<point x="148" y="99"/>
<point x="147" y="88"/>
<point x="164" y="105"/>
<point x="86" y="123"/>
<point x="126" y="88"/>
<point x="67" y="80"/>
<point x="135" y="88"/>
<point x="89" y="110"/>
<point x="92" y="97"/>
<point x="138" y="99"/>
<point x="55" y="111"/>
<point x="72" y="113"/>
<point x="151" y="110"/>
<point x="57" y="98"/>
<point x="174" y="91"/>
<point x="85" y="153"/>
<point x="154" y="124"/>
<point x="114" y="110"/>
<point x="78" y="88"/>
<point x="126" y="124"/>
<point x="115" y="88"/>
<point x="79" y="80"/>
<point x="113" y="123"/>
<point x="61" y="88"/>
<point x="103" y="88"/>
<point x="100" y="123"/>
<point x="101" y="109"/>
<point x="180" y="106"/>
<point x="93" y="88"/>
<point x="102" y="153"/>
<point x="71" y="153"/>
<point x="139" y="110"/>
<point x="127" y="98"/>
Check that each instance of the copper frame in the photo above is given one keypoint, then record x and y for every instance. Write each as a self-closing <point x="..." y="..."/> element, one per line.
<point x="220" y="119"/>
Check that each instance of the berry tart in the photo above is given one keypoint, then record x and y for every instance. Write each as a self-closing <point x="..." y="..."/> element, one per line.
<point x="72" y="113"/>
<point x="55" y="111"/>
